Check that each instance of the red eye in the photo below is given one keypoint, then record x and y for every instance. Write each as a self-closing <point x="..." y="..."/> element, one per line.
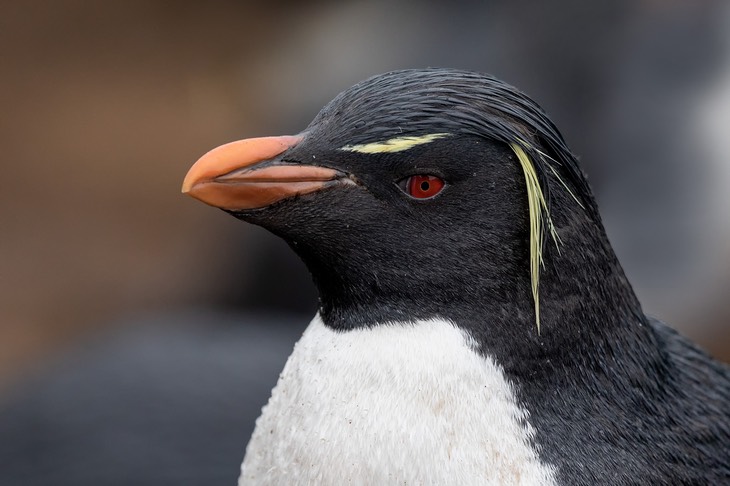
<point x="423" y="186"/>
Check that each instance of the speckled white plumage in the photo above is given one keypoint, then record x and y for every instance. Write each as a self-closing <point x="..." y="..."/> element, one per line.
<point x="408" y="404"/>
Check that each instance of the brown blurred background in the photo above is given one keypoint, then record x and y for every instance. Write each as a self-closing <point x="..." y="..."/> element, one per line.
<point x="105" y="105"/>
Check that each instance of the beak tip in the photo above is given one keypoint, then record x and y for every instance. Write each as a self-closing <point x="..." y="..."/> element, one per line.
<point x="187" y="185"/>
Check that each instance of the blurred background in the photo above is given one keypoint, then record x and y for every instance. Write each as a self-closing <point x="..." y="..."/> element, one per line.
<point x="141" y="331"/>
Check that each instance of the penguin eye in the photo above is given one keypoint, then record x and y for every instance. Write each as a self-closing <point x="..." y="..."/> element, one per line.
<point x="422" y="186"/>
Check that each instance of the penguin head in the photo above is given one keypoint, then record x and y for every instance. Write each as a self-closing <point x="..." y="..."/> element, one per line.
<point x="416" y="194"/>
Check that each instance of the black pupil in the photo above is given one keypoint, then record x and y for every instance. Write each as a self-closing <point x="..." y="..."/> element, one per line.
<point x="424" y="186"/>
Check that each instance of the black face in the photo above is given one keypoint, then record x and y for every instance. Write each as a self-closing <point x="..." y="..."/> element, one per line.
<point x="378" y="251"/>
<point x="378" y="254"/>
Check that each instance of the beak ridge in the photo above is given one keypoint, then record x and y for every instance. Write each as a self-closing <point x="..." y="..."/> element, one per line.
<point x="236" y="155"/>
<point x="232" y="177"/>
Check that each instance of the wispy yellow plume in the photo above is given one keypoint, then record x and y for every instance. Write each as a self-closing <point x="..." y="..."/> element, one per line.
<point x="538" y="209"/>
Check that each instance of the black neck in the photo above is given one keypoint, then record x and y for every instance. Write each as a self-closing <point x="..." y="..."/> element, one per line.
<point x="585" y="298"/>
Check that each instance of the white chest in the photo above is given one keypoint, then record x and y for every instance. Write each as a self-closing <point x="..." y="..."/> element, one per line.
<point x="396" y="404"/>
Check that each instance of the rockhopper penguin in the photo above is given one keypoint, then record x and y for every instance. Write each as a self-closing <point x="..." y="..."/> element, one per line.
<point x="475" y="326"/>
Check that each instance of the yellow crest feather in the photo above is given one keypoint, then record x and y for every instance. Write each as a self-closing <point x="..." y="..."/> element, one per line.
<point x="537" y="208"/>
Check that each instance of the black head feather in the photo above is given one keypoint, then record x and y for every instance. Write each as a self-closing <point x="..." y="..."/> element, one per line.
<point x="415" y="102"/>
<point x="359" y="244"/>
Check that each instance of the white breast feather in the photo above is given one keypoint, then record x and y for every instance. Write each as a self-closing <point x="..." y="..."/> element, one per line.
<point x="394" y="404"/>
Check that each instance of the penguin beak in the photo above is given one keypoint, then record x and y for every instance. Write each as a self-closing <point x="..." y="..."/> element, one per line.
<point x="245" y="175"/>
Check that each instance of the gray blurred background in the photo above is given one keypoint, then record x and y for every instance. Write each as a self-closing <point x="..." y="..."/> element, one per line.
<point x="140" y="331"/>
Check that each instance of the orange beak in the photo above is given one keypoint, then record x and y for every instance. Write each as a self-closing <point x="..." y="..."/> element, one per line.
<point x="232" y="176"/>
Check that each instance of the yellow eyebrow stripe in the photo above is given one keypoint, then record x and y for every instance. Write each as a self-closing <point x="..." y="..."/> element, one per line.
<point x="398" y="144"/>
